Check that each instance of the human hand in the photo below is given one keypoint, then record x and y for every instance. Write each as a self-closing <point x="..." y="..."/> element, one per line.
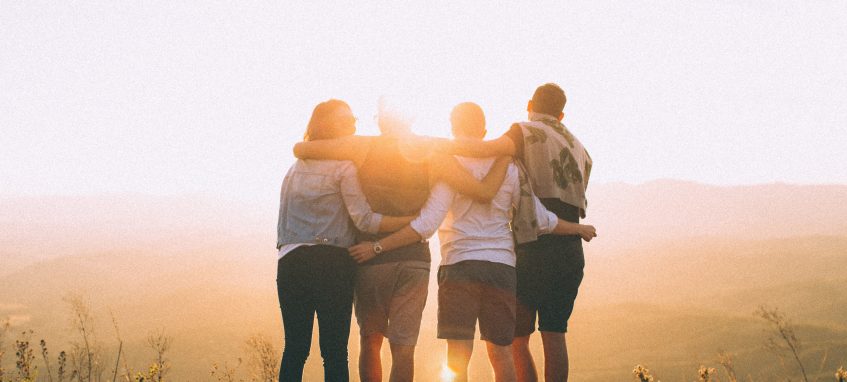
<point x="586" y="232"/>
<point x="362" y="252"/>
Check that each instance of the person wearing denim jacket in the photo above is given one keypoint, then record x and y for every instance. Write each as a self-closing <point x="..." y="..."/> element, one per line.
<point x="321" y="206"/>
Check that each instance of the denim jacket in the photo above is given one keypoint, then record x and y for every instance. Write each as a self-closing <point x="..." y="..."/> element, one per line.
<point x="321" y="202"/>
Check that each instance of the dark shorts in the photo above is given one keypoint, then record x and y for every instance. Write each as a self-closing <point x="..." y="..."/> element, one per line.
<point x="477" y="290"/>
<point x="549" y="273"/>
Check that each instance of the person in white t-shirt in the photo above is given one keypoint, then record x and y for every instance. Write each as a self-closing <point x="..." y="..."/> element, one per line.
<point x="476" y="278"/>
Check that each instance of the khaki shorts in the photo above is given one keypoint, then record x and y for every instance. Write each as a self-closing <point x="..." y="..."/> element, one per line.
<point x="390" y="298"/>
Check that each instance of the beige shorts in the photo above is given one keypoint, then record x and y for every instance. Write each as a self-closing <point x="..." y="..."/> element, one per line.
<point x="390" y="298"/>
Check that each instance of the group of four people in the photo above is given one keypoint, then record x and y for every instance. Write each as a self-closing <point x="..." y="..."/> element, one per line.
<point x="355" y="213"/>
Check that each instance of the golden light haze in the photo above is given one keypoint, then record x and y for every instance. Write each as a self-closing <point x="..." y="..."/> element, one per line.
<point x="142" y="147"/>
<point x="662" y="287"/>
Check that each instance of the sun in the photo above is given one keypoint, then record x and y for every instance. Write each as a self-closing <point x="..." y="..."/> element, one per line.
<point x="426" y="113"/>
<point x="447" y="375"/>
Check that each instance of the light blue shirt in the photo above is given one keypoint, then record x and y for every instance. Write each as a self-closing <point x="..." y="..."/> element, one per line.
<point x="321" y="202"/>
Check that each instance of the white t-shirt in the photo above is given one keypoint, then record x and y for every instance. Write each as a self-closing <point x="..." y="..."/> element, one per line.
<point x="477" y="231"/>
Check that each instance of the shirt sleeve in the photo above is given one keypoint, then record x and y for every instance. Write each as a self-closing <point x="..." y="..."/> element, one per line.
<point x="547" y="220"/>
<point x="513" y="180"/>
<point x="515" y="133"/>
<point x="354" y="199"/>
<point x="434" y="211"/>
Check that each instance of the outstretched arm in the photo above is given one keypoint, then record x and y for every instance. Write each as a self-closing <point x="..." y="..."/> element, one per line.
<point x="353" y="148"/>
<point x="448" y="169"/>
<point x="503" y="146"/>
<point x="548" y="222"/>
<point x="566" y="228"/>
<point x="394" y="223"/>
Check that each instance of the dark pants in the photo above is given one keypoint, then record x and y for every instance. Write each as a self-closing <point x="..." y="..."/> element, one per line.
<point x="550" y="272"/>
<point x="315" y="279"/>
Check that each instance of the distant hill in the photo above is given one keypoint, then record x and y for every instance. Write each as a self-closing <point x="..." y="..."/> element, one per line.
<point x="689" y="271"/>
<point x="37" y="228"/>
<point x="667" y="210"/>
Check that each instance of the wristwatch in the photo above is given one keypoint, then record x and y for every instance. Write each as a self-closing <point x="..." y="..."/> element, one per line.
<point x="377" y="247"/>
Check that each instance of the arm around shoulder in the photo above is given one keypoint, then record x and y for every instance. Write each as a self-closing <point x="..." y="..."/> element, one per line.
<point x="502" y="146"/>
<point x="352" y="148"/>
<point x="449" y="170"/>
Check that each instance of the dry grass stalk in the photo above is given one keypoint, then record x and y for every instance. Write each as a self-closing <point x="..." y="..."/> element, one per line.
<point x="160" y="343"/>
<point x="4" y="329"/>
<point x="725" y="360"/>
<point x="25" y="359"/>
<point x="225" y="374"/>
<point x="86" y="357"/>
<point x="823" y="364"/>
<point x="127" y="374"/>
<point x="263" y="359"/>
<point x="784" y="340"/>
<point x="44" y="354"/>
<point x="63" y="361"/>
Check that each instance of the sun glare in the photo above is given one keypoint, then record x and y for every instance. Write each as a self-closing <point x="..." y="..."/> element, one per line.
<point x="447" y="375"/>
<point x="426" y="113"/>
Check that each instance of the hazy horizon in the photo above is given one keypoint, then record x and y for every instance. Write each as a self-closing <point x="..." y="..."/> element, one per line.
<point x="206" y="196"/>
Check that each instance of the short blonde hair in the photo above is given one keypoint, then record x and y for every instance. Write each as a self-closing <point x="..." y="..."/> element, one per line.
<point x="468" y="119"/>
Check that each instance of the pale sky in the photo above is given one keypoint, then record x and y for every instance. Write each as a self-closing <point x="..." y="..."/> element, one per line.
<point x="164" y="97"/>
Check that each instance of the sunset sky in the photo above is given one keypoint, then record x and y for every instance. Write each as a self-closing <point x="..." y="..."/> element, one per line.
<point x="166" y="97"/>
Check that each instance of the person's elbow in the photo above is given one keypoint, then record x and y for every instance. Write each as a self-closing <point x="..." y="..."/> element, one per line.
<point x="368" y="223"/>
<point x="423" y="235"/>
<point x="422" y="230"/>
<point x="299" y="151"/>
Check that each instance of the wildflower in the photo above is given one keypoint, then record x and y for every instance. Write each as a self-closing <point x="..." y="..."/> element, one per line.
<point x="706" y="373"/>
<point x="24" y="357"/>
<point x="841" y="374"/>
<point x="63" y="360"/>
<point x="642" y="373"/>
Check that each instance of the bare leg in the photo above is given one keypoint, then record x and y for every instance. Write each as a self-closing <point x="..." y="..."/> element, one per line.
<point x="402" y="363"/>
<point x="524" y="365"/>
<point x="370" y="364"/>
<point x="458" y="357"/>
<point x="502" y="362"/>
<point x="555" y="357"/>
